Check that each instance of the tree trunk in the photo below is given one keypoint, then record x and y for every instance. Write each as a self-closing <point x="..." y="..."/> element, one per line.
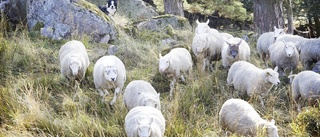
<point x="174" y="7"/>
<point x="317" y="24"/>
<point x="290" y="16"/>
<point x="267" y="14"/>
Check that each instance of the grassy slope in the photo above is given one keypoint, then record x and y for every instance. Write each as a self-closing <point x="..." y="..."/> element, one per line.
<point x="37" y="101"/>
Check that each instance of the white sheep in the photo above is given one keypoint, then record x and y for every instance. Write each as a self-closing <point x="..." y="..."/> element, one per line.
<point x="305" y="85"/>
<point x="141" y="93"/>
<point x="248" y="79"/>
<point x="74" y="60"/>
<point x="209" y="41"/>
<point x="226" y="36"/>
<point x="144" y="121"/>
<point x="109" y="72"/>
<point x="292" y="38"/>
<point x="234" y="49"/>
<point x="309" y="52"/>
<point x="176" y="62"/>
<point x="265" y="40"/>
<point x="239" y="117"/>
<point x="285" y="56"/>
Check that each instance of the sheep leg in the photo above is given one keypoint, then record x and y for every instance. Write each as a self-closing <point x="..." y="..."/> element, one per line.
<point x="103" y="92"/>
<point x="116" y="92"/>
<point x="182" y="78"/>
<point x="172" y="86"/>
<point x="204" y="65"/>
<point x="291" y="77"/>
<point x="261" y="100"/>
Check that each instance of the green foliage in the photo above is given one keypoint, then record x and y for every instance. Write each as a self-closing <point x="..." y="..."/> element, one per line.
<point x="307" y="122"/>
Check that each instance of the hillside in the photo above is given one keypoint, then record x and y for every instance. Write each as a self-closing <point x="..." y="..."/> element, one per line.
<point x="37" y="101"/>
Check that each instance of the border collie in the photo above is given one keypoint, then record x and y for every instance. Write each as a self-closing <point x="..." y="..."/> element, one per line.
<point x="110" y="8"/>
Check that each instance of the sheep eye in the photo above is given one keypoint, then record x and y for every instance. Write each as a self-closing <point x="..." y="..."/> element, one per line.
<point x="155" y="105"/>
<point x="108" y="72"/>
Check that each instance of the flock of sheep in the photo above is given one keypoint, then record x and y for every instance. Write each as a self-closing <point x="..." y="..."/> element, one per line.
<point x="144" y="117"/>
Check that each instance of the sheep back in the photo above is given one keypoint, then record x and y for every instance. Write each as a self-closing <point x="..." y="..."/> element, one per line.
<point x="112" y="64"/>
<point x="309" y="52"/>
<point x="176" y="61"/>
<point x="145" y="115"/>
<point x="292" y="38"/>
<point x="305" y="85"/>
<point x="249" y="79"/>
<point x="239" y="117"/>
<point x="70" y="54"/>
<point x="234" y="49"/>
<point x="141" y="93"/>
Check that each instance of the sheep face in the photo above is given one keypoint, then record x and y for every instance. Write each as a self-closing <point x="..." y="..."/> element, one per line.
<point x="202" y="27"/>
<point x="201" y="42"/>
<point x="144" y="130"/>
<point x="278" y="33"/>
<point x="272" y="76"/>
<point x="110" y="73"/>
<point x="152" y="102"/>
<point x="290" y="48"/>
<point x="272" y="130"/>
<point x="75" y="66"/>
<point x="164" y="64"/>
<point x="234" y="48"/>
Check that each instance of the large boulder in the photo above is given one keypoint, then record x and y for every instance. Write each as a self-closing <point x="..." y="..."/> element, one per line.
<point x="70" y="18"/>
<point x="161" y="22"/>
<point x="15" y="11"/>
<point x="137" y="9"/>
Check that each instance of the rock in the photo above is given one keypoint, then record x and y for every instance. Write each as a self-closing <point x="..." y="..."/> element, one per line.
<point x="137" y="9"/>
<point x="15" y="10"/>
<point x="160" y="23"/>
<point x="63" y="19"/>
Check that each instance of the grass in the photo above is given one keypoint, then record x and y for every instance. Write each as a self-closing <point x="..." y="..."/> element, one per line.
<point x="35" y="100"/>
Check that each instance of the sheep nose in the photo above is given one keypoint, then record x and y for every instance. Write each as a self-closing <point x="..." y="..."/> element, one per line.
<point x="112" y="79"/>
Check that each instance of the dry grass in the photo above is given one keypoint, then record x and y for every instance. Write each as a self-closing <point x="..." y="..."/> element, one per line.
<point x="37" y="101"/>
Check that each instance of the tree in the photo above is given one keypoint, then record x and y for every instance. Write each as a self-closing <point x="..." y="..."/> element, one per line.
<point x="174" y="7"/>
<point x="267" y="13"/>
<point x="288" y="5"/>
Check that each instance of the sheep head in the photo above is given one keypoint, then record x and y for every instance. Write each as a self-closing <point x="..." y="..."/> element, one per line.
<point x="278" y="33"/>
<point x="152" y="101"/>
<point x="144" y="129"/>
<point x="234" y="48"/>
<point x="110" y="73"/>
<point x="272" y="130"/>
<point x="272" y="76"/>
<point x="290" y="48"/>
<point x="75" y="65"/>
<point x="164" y="63"/>
<point x="202" y="27"/>
<point x="201" y="42"/>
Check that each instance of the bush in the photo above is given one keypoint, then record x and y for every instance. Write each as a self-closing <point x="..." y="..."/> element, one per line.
<point x="307" y="122"/>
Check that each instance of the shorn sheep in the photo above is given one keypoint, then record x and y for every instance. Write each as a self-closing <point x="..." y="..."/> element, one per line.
<point x="74" y="60"/>
<point x="265" y="40"/>
<point x="248" y="79"/>
<point x="234" y="49"/>
<point x="109" y="72"/>
<point x="285" y="56"/>
<point x="207" y="44"/>
<point x="173" y="64"/>
<point x="239" y="117"/>
<point x="305" y="85"/>
<point x="141" y="93"/>
<point x="144" y="121"/>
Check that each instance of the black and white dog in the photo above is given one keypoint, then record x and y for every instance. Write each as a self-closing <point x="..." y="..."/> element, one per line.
<point x="110" y="8"/>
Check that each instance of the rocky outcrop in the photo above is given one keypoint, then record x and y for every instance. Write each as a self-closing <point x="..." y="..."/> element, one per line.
<point x="159" y="23"/>
<point x="15" y="10"/>
<point x="70" y="19"/>
<point x="137" y="9"/>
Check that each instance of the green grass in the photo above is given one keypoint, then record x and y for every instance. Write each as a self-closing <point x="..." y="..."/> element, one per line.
<point x="35" y="100"/>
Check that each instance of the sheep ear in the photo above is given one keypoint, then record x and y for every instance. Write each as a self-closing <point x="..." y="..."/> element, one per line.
<point x="276" y="69"/>
<point x="207" y="21"/>
<point x="160" y="56"/>
<point x="197" y="21"/>
<point x="228" y="42"/>
<point x="138" y="121"/>
<point x="239" y="42"/>
<point x="273" y="121"/>
<point x="275" y="28"/>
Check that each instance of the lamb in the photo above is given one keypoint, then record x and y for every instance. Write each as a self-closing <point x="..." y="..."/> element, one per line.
<point x="74" y="60"/>
<point x="141" y="93"/>
<point x="144" y="121"/>
<point x="305" y="85"/>
<point x="109" y="72"/>
<point x="207" y="44"/>
<point x="239" y="117"/>
<point x="265" y="40"/>
<point x="309" y="52"/>
<point x="177" y="61"/>
<point x="247" y="78"/>
<point x="234" y="49"/>
<point x="284" y="55"/>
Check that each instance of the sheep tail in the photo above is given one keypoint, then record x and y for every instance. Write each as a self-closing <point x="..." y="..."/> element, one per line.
<point x="293" y="75"/>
